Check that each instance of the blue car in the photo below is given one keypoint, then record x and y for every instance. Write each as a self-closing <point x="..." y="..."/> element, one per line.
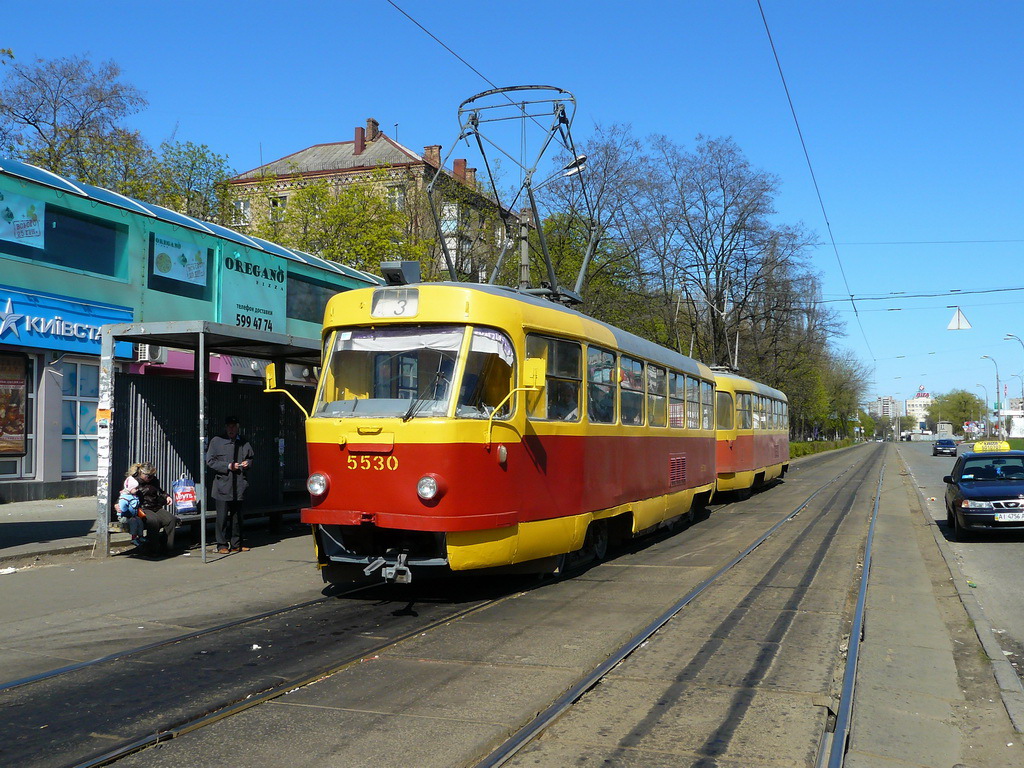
<point x="985" y="492"/>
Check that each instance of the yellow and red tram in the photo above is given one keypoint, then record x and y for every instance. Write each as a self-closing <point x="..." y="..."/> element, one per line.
<point x="462" y="426"/>
<point x="752" y="424"/>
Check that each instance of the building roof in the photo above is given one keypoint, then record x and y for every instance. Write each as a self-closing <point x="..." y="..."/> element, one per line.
<point x="383" y="151"/>
<point x="87" y="191"/>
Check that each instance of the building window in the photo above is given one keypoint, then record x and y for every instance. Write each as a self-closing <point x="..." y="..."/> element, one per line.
<point x="75" y="241"/>
<point x="15" y="467"/>
<point x="277" y="208"/>
<point x="396" y="198"/>
<point x="241" y="212"/>
<point x="81" y="390"/>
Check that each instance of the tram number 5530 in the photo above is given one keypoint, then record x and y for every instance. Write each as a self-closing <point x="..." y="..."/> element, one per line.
<point x="376" y="463"/>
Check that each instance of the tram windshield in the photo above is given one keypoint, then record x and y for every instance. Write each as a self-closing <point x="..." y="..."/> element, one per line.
<point x="409" y="372"/>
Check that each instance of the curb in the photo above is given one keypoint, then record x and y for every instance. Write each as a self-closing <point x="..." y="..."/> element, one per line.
<point x="1011" y="690"/>
<point x="35" y="557"/>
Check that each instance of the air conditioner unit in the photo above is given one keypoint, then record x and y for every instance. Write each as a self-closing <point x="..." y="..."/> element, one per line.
<point x="150" y="353"/>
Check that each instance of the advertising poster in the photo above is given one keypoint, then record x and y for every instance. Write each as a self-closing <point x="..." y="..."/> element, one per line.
<point x="21" y="219"/>
<point x="13" y="388"/>
<point x="253" y="292"/>
<point x="179" y="259"/>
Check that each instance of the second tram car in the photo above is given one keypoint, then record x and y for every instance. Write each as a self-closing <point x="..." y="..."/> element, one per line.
<point x="461" y="426"/>
<point x="752" y="423"/>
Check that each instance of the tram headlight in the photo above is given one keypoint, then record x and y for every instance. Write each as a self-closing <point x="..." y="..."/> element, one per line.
<point x="430" y="487"/>
<point x="317" y="484"/>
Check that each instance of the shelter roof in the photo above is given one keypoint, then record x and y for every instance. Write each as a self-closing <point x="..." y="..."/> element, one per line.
<point x="220" y="338"/>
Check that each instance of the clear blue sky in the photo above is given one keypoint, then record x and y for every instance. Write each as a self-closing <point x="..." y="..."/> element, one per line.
<point x="911" y="112"/>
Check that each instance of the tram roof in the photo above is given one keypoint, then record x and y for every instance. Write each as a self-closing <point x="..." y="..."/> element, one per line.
<point x="743" y="384"/>
<point x="626" y="341"/>
<point x="60" y="183"/>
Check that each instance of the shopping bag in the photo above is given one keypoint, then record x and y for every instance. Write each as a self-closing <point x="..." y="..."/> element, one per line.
<point x="184" y="491"/>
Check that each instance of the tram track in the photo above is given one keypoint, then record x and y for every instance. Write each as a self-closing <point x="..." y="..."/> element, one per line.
<point x="718" y="740"/>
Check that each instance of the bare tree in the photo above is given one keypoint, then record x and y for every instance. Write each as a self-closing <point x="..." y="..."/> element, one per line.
<point x="54" y="112"/>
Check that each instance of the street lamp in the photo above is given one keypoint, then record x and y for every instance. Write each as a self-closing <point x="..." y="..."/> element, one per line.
<point x="1021" y="342"/>
<point x="984" y="411"/>
<point x="998" y="421"/>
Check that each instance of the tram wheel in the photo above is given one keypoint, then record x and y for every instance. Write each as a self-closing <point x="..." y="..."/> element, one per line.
<point x="596" y="542"/>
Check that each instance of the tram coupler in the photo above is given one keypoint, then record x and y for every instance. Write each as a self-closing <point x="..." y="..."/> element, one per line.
<point x="398" y="573"/>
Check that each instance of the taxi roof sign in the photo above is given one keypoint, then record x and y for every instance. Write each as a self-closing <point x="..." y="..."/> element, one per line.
<point x="990" y="446"/>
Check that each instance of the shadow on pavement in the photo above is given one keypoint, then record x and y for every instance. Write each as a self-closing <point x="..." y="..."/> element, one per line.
<point x="16" y="534"/>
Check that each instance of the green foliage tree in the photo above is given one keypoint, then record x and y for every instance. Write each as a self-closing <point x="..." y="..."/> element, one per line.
<point x="956" y="407"/>
<point x="192" y="178"/>
<point x="353" y="224"/>
<point x="867" y="424"/>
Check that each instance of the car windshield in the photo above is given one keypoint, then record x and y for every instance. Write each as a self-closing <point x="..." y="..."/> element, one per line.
<point x="408" y="372"/>
<point x="988" y="468"/>
<point x="946" y="442"/>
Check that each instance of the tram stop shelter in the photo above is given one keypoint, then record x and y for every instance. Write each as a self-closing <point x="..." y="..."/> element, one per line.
<point x="166" y="419"/>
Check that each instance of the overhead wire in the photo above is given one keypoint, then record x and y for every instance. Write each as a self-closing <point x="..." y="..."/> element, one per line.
<point x="814" y="180"/>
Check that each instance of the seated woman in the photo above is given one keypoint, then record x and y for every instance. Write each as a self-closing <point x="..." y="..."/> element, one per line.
<point x="153" y="501"/>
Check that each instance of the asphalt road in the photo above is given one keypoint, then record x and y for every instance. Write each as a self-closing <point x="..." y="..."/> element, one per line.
<point x="992" y="563"/>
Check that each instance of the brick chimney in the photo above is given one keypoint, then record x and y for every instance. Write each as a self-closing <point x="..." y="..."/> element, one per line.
<point x="360" y="143"/>
<point x="459" y="169"/>
<point x="471" y="177"/>
<point x="432" y="155"/>
<point x="372" y="129"/>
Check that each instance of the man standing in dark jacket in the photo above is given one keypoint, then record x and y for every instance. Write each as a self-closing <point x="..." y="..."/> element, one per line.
<point x="230" y="457"/>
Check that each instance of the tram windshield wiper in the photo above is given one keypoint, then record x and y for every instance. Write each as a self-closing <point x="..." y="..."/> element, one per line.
<point x="421" y="396"/>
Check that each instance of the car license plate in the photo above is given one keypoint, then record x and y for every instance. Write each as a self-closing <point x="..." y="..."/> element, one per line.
<point x="1009" y="517"/>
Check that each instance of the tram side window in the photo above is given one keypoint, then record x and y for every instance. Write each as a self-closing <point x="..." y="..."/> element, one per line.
<point x="745" y="410"/>
<point x="676" y="400"/>
<point x="707" y="398"/>
<point x="758" y="412"/>
<point x="785" y="415"/>
<point x="632" y="392"/>
<point x="692" y="403"/>
<point x="488" y="376"/>
<point x="777" y="412"/>
<point x="601" y="385"/>
<point x="564" y="378"/>
<point x="724" y="410"/>
<point x="656" y="390"/>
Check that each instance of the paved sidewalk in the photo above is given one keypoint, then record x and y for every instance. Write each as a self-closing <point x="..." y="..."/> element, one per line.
<point x="30" y="529"/>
